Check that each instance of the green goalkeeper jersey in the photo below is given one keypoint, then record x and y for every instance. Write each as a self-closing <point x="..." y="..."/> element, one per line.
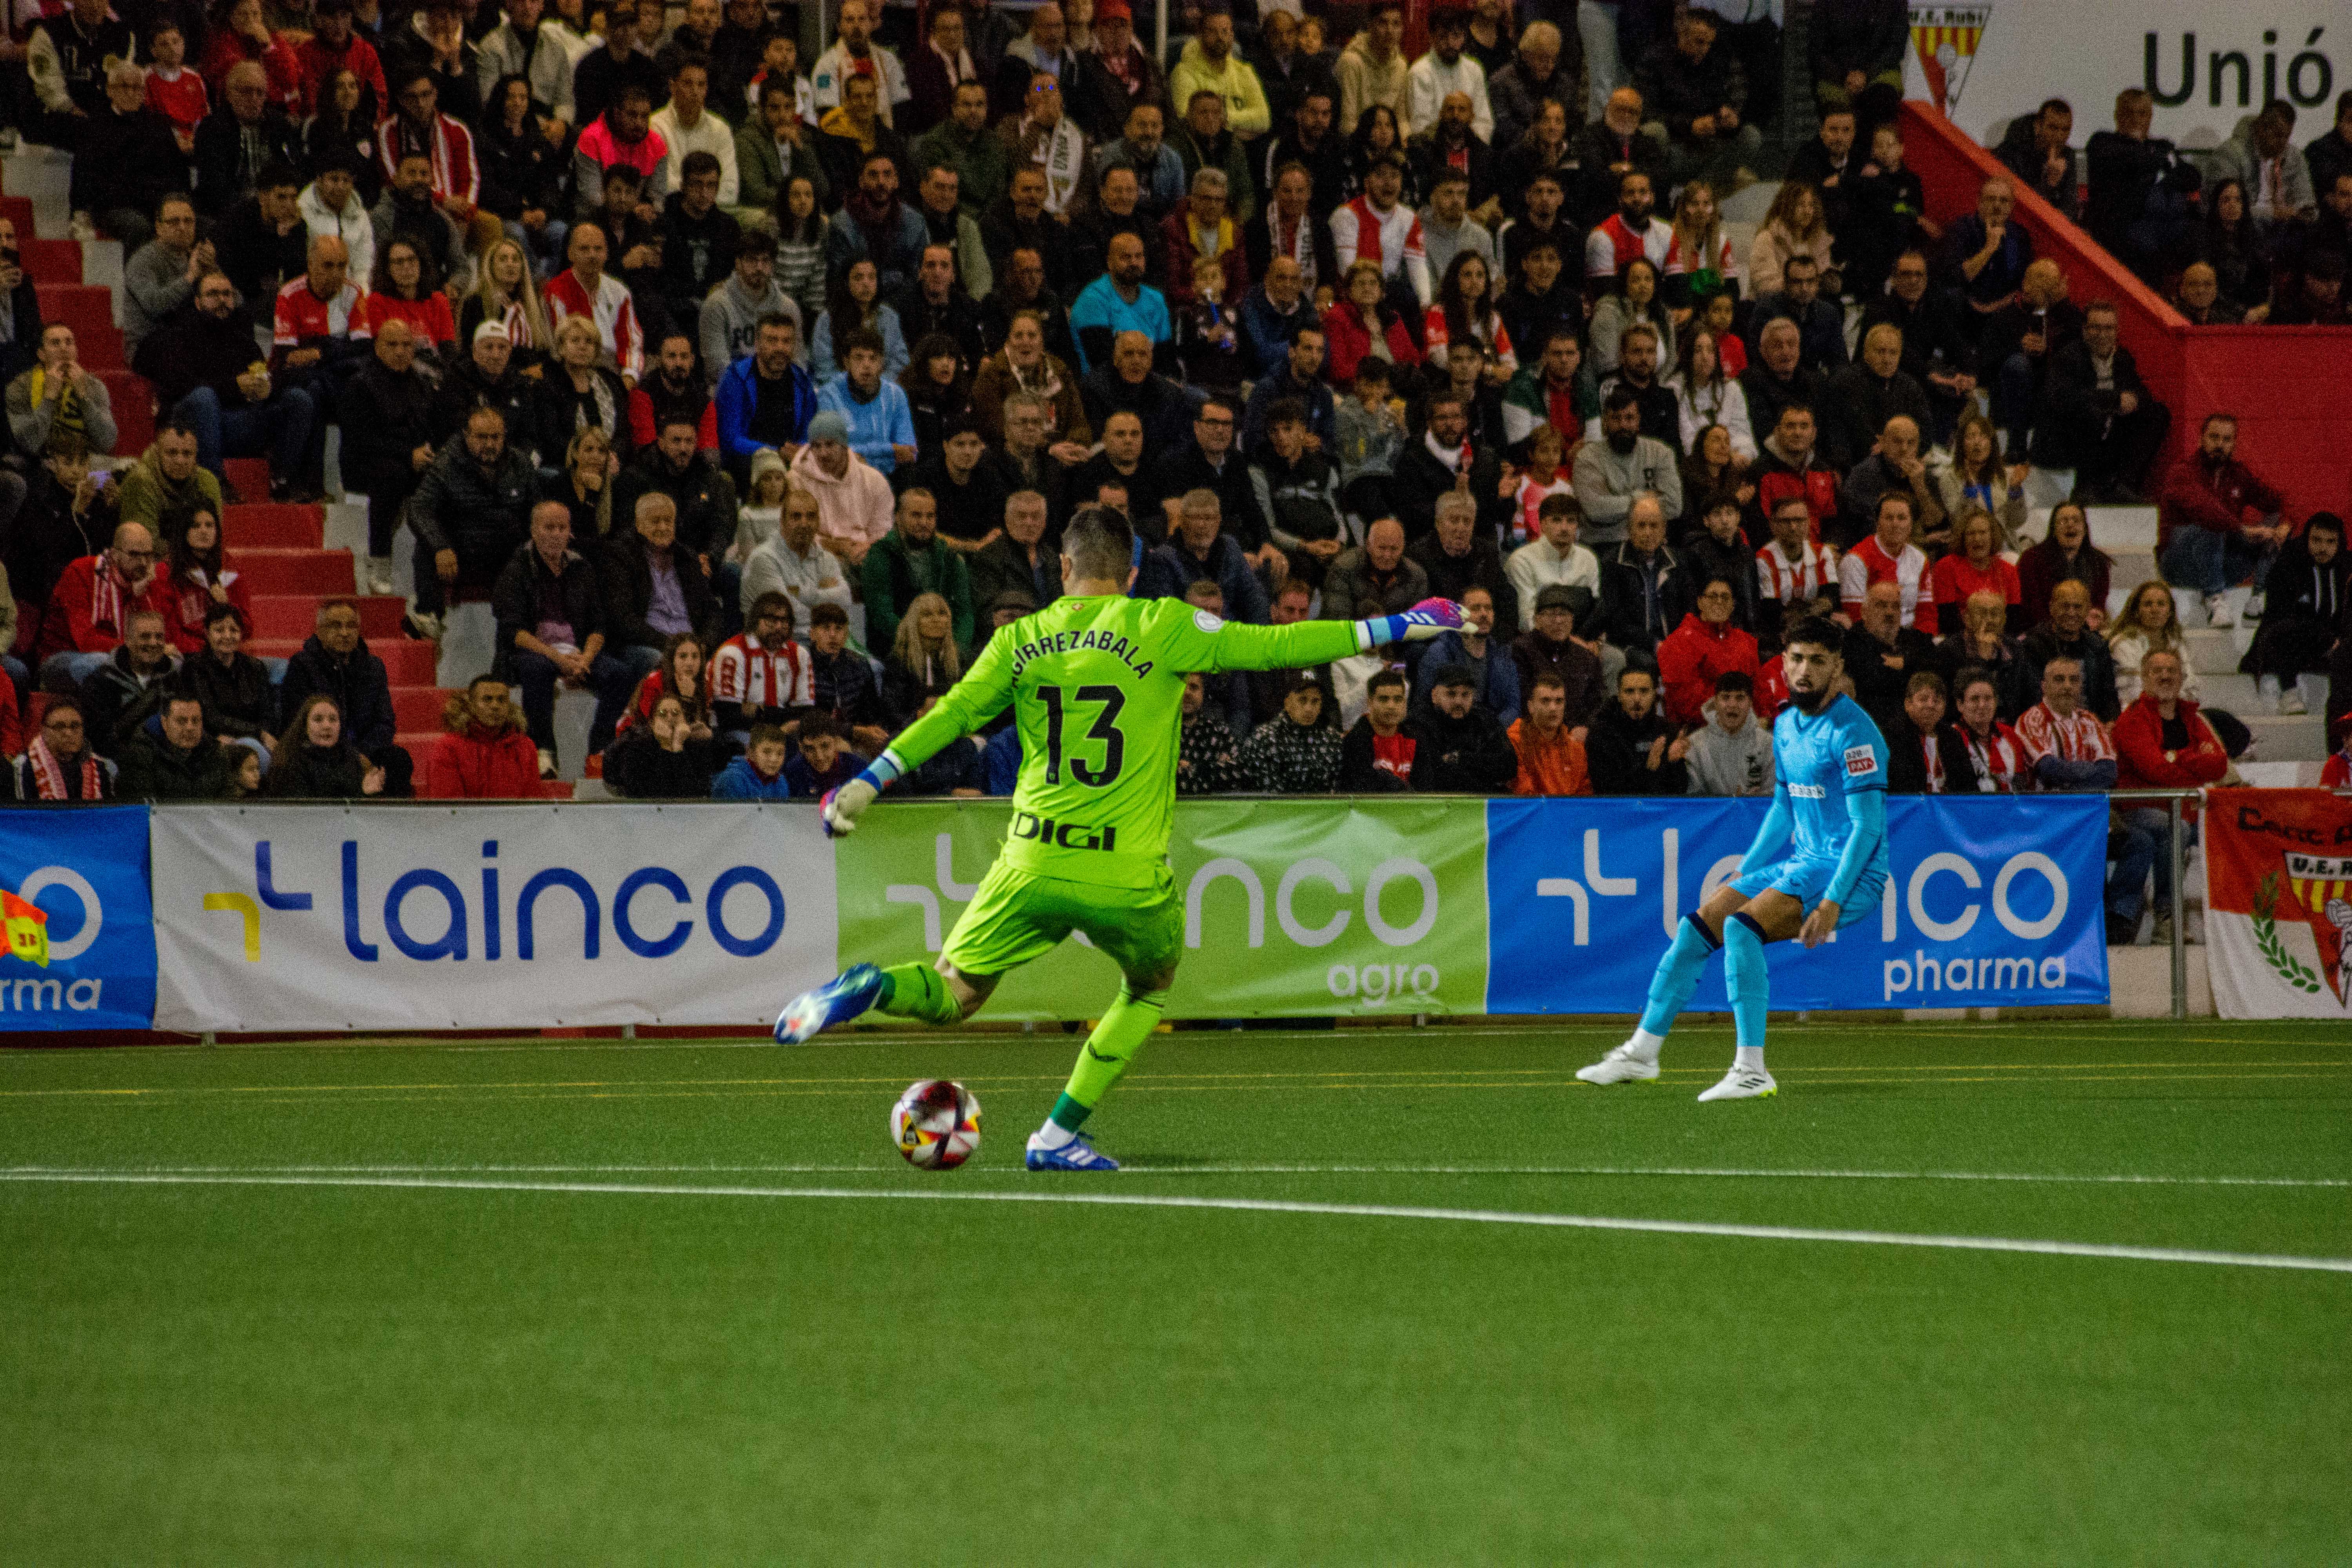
<point x="1097" y="687"/>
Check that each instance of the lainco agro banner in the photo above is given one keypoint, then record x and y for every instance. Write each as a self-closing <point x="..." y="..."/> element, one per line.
<point x="1291" y="908"/>
<point x="80" y="937"/>
<point x="2208" y="66"/>
<point x="384" y="917"/>
<point x="1991" y="901"/>
<point x="2278" y="903"/>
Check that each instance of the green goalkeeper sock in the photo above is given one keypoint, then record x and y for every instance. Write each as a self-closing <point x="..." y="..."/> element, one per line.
<point x="1106" y="1054"/>
<point x="919" y="992"/>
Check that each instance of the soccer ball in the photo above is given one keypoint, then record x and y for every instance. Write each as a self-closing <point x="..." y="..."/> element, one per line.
<point x="936" y="1124"/>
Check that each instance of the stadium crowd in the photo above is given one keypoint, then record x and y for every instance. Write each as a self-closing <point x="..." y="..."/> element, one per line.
<point x="753" y="398"/>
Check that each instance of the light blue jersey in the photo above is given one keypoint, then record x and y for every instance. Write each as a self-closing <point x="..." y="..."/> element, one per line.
<point x="1825" y="837"/>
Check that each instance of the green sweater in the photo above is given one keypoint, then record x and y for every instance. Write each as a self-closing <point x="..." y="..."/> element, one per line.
<point x="896" y="571"/>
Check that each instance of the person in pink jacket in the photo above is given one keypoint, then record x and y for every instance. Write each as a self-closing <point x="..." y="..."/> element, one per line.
<point x="854" y="503"/>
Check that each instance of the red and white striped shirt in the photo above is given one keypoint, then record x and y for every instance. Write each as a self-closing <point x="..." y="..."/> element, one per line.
<point x="1608" y="248"/>
<point x="612" y="310"/>
<point x="743" y="670"/>
<point x="1793" y="582"/>
<point x="2075" y="738"/>
<point x="1934" y="755"/>
<point x="302" y="314"/>
<point x="1359" y="230"/>
<point x="1868" y="562"/>
<point x="450" y="146"/>
<point x="1493" y="337"/>
<point x="2000" y="759"/>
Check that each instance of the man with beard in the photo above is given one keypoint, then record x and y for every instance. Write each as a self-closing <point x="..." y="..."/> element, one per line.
<point x="938" y="199"/>
<point x="1311" y="143"/>
<point x="1117" y="302"/>
<point x="731" y="317"/>
<point x="874" y="225"/>
<point x="1115" y="211"/>
<point x="1818" y="862"/>
<point x="1633" y="229"/>
<point x="1613" y="472"/>
<point x="1160" y="178"/>
<point x="2207" y="540"/>
<point x="205" y="371"/>
<point x="1439" y="462"/>
<point x="936" y="303"/>
<point x="1448" y="148"/>
<point x="965" y="143"/>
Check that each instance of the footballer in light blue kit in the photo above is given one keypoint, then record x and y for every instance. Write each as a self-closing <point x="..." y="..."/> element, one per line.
<point x="1819" y="863"/>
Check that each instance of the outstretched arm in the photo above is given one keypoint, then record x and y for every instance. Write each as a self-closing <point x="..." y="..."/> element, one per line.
<point x="978" y="697"/>
<point x="1191" y="645"/>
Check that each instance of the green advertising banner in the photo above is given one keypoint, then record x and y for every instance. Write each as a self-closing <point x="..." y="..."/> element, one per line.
<point x="1291" y="908"/>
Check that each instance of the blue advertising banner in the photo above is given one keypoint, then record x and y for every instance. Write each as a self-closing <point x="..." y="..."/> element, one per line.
<point x="78" y="920"/>
<point x="1991" y="902"/>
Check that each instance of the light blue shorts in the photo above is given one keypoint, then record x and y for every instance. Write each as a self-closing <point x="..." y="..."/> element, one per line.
<point x="1806" y="880"/>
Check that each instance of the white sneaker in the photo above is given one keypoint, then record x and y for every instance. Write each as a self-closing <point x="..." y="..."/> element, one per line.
<point x="1620" y="1065"/>
<point x="2254" y="602"/>
<point x="2290" y="700"/>
<point x="2218" y="613"/>
<point x="1743" y="1083"/>
<point x="546" y="763"/>
<point x="83" y="228"/>
<point x="379" y="574"/>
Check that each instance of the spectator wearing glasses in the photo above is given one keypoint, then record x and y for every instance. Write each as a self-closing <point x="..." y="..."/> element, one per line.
<point x="58" y="764"/>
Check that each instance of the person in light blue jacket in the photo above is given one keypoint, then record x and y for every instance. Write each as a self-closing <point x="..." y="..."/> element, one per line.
<point x="853" y="304"/>
<point x="758" y="773"/>
<point x="881" y="422"/>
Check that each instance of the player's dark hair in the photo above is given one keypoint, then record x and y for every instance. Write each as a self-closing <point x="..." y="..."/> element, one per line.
<point x="1547" y="678"/>
<point x="1383" y="680"/>
<point x="1818" y="630"/>
<point x="1100" y="543"/>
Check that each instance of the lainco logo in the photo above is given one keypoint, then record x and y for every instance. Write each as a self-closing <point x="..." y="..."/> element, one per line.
<point x="427" y="915"/>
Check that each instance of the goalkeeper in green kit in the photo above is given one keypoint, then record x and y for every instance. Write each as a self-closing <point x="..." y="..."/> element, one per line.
<point x="1096" y="681"/>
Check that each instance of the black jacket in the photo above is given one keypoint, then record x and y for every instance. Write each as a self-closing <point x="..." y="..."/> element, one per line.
<point x="1879" y="685"/>
<point x="154" y="769"/>
<point x="1617" y="753"/>
<point x="518" y="171"/>
<point x="237" y="697"/>
<point x="1907" y="755"/>
<point x="1162" y="406"/>
<point x="1768" y="394"/>
<point x="1357" y="774"/>
<point x="317" y="773"/>
<point x="126" y="161"/>
<point x="704" y="495"/>
<point x="957" y="320"/>
<point x="463" y="388"/>
<point x="2043" y="644"/>
<point x="457" y="506"/>
<point x="516" y="598"/>
<point x="1469" y="755"/>
<point x="1859" y="406"/>
<point x="1187" y="468"/>
<point x="626" y="577"/>
<point x="1003" y="565"/>
<point x="846" y="687"/>
<point x="191" y="350"/>
<point x="359" y="684"/>
<point x="1420" y="478"/>
<point x="1624" y="616"/>
<point x="638" y="767"/>
<point x="385" y="417"/>
<point x="114" y="702"/>
<point x="1451" y="577"/>
<point x="2074" y="410"/>
<point x="225" y="176"/>
<point x="1932" y="339"/>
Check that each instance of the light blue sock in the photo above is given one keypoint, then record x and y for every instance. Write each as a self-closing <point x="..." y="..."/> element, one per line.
<point x="1744" y="973"/>
<point x="1677" y="976"/>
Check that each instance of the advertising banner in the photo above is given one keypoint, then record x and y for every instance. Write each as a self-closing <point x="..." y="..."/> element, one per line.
<point x="1991" y="902"/>
<point x="1291" y="908"/>
<point x="2278" y="903"/>
<point x="482" y="917"/>
<point x="2207" y="67"/>
<point x="79" y="949"/>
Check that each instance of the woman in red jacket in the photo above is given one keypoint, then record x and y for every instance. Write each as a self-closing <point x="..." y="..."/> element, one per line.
<point x="1706" y="645"/>
<point x="1350" y="322"/>
<point x="197" y="581"/>
<point x="1975" y="566"/>
<point x="486" y="753"/>
<point x="2163" y="743"/>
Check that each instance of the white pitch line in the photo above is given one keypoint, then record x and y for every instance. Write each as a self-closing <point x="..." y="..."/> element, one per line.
<point x="877" y="1168"/>
<point x="1250" y="1205"/>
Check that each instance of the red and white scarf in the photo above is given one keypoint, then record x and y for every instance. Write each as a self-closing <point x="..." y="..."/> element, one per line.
<point x="106" y="604"/>
<point x="50" y="774"/>
<point x="1998" y="759"/>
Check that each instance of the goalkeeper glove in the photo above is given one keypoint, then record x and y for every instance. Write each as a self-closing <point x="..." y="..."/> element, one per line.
<point x="1423" y="621"/>
<point x="840" y="807"/>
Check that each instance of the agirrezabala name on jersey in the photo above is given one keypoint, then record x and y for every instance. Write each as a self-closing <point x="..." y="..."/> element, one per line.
<point x="1111" y="643"/>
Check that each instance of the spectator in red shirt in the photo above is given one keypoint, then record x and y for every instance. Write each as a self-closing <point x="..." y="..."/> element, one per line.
<point x="90" y="610"/>
<point x="245" y="36"/>
<point x="2163" y="743"/>
<point x="175" y="91"/>
<point x="1705" y="646"/>
<point x="1376" y="756"/>
<point x="197" y="580"/>
<point x="1790" y="468"/>
<point x="1889" y="556"/>
<point x="485" y="754"/>
<point x="1975" y="568"/>
<point x="333" y="48"/>
<point x="2204" y="539"/>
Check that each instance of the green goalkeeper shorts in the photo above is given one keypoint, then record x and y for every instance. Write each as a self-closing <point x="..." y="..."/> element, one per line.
<point x="1017" y="916"/>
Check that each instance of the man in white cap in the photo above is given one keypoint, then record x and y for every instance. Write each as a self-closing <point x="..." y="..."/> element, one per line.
<point x="487" y="375"/>
<point x="387" y="413"/>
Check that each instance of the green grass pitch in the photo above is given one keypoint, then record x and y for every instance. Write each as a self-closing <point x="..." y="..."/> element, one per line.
<point x="277" y="1357"/>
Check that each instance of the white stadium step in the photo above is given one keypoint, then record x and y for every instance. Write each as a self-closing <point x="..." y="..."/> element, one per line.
<point x="2297" y="740"/>
<point x="2114" y="528"/>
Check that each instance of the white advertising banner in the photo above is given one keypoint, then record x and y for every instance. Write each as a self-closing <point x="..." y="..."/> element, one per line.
<point x="2209" y="67"/>
<point x="478" y="917"/>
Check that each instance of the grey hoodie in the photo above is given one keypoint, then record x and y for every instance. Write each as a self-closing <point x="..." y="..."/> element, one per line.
<point x="730" y="319"/>
<point x="1740" y="763"/>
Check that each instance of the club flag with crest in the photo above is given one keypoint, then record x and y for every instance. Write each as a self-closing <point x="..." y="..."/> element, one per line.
<point x="2278" y="905"/>
<point x="27" y="927"/>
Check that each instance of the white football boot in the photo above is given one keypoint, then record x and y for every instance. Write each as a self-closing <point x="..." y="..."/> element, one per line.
<point x="1620" y="1065"/>
<point x="1743" y="1083"/>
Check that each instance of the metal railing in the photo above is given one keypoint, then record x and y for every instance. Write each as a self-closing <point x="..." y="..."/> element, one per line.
<point x="2176" y="846"/>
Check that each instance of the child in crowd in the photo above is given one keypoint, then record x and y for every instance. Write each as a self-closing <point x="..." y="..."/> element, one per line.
<point x="175" y="91"/>
<point x="825" y="761"/>
<point x="758" y="773"/>
<point x="1206" y="339"/>
<point x="1547" y="476"/>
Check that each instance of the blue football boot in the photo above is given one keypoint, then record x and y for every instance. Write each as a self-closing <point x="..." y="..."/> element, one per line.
<point x="837" y="1000"/>
<point x="1078" y="1154"/>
